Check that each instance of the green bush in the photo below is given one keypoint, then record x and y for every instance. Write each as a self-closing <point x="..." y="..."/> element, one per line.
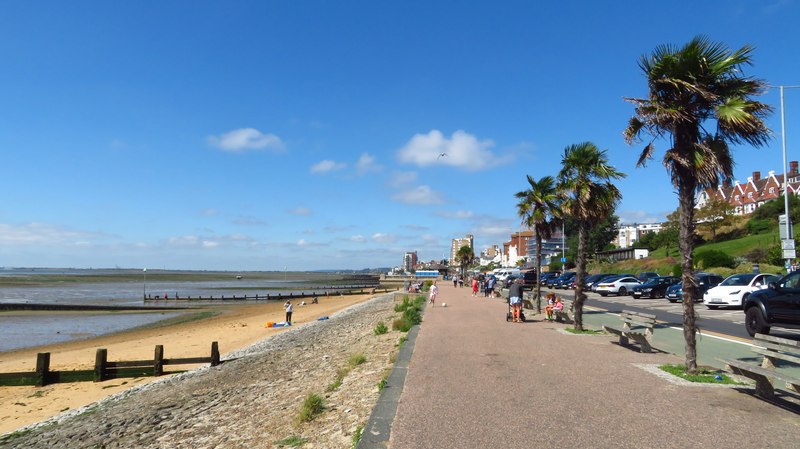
<point x="714" y="258"/>
<point x="356" y="359"/>
<point x="758" y="226"/>
<point x="312" y="407"/>
<point x="427" y="285"/>
<point x="412" y="315"/>
<point x="676" y="270"/>
<point x="381" y="328"/>
<point x="401" y="324"/>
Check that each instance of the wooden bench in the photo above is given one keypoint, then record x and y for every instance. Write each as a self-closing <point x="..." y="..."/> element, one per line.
<point x="772" y="349"/>
<point x="636" y="326"/>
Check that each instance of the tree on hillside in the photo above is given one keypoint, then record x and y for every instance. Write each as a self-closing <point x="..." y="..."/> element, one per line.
<point x="539" y="207"/>
<point x="601" y="235"/>
<point x="714" y="215"/>
<point x="700" y="102"/>
<point x="590" y="197"/>
<point x="465" y="256"/>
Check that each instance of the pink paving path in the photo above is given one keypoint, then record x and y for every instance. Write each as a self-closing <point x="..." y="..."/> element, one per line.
<point x="477" y="381"/>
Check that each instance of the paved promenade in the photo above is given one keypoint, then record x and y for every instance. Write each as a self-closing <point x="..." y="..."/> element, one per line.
<point x="477" y="381"/>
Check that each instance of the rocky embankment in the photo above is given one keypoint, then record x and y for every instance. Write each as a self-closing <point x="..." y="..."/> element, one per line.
<point x="250" y="401"/>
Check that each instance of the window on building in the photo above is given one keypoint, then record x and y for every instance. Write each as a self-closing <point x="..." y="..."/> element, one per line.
<point x="772" y="190"/>
<point x="737" y="197"/>
<point x="749" y="194"/>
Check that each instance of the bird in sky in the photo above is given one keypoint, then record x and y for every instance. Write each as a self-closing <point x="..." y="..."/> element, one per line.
<point x="441" y="155"/>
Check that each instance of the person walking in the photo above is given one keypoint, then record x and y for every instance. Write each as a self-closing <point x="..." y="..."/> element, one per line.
<point x="289" y="308"/>
<point x="515" y="299"/>
<point x="475" y="286"/>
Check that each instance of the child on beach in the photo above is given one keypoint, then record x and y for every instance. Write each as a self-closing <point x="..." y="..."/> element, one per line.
<point x="433" y="292"/>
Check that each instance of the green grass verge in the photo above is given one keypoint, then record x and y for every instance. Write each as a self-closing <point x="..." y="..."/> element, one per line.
<point x="704" y="375"/>
<point x="357" y="436"/>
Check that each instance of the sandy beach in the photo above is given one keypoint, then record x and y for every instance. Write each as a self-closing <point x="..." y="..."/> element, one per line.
<point x="233" y="328"/>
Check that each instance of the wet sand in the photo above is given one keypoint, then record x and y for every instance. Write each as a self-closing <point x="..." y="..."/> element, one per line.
<point x="236" y="327"/>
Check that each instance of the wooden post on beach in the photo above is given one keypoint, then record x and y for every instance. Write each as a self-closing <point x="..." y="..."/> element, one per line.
<point x="214" y="353"/>
<point x="42" y="368"/>
<point x="100" y="362"/>
<point x="158" y="361"/>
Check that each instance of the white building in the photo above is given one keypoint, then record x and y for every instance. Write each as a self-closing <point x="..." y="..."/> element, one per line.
<point x="631" y="233"/>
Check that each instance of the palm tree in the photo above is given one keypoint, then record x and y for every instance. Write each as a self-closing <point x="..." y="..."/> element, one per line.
<point x="538" y="208"/>
<point x="691" y="89"/>
<point x="586" y="180"/>
<point x="465" y="256"/>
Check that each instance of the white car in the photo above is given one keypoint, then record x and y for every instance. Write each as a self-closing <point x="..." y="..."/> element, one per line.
<point x="619" y="286"/>
<point x="734" y="290"/>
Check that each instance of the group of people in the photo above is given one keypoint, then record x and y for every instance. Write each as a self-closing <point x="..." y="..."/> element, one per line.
<point x="554" y="305"/>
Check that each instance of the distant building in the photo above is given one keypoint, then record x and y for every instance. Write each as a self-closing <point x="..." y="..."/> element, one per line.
<point x="409" y="261"/>
<point x="552" y="249"/>
<point x="457" y="244"/>
<point x="516" y="248"/>
<point x="629" y="234"/>
<point x="747" y="197"/>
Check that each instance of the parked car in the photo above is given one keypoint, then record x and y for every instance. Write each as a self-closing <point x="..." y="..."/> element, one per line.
<point x="776" y="305"/>
<point x="704" y="282"/>
<point x="645" y="276"/>
<point x="529" y="279"/>
<point x="618" y="286"/>
<point x="564" y="280"/>
<point x="552" y="281"/>
<point x="608" y="278"/>
<point x="591" y="279"/>
<point x="655" y="287"/>
<point x="734" y="290"/>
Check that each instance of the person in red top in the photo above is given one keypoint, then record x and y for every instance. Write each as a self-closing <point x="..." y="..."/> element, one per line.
<point x="474" y="286"/>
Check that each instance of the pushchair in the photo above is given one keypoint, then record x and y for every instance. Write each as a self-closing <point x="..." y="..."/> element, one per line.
<point x="510" y="314"/>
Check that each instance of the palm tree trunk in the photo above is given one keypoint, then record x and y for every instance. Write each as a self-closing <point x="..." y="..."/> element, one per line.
<point x="580" y="297"/>
<point x="686" y="189"/>
<point x="538" y="273"/>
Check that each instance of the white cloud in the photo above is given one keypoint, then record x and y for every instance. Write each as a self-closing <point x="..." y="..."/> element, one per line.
<point x="383" y="238"/>
<point x="459" y="214"/>
<point x="245" y="139"/>
<point x="463" y="150"/>
<point x="210" y="212"/>
<point x="366" y="163"/>
<point x="423" y="195"/>
<point x="358" y="238"/>
<point x="301" y="242"/>
<point x="210" y="244"/>
<point x="327" y="166"/>
<point x="299" y="211"/>
<point x="43" y="234"/>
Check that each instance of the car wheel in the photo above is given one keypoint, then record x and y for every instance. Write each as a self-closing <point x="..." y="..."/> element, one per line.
<point x="712" y="307"/>
<point x="622" y="291"/>
<point x="744" y="299"/>
<point x="653" y="295"/>
<point x="673" y="301"/>
<point x="754" y="322"/>
<point x="604" y="294"/>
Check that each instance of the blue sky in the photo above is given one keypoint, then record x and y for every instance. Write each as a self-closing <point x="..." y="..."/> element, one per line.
<point x="262" y="135"/>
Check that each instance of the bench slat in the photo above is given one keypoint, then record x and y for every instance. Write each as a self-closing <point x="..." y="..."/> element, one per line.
<point x="781" y="341"/>
<point x="746" y="366"/>
<point x="633" y="323"/>
<point x="777" y="355"/>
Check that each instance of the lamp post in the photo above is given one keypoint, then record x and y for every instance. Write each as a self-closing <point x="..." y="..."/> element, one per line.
<point x="787" y="245"/>
<point x="144" y="284"/>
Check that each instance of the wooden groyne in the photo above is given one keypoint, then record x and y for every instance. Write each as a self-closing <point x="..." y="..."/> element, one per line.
<point x="104" y="369"/>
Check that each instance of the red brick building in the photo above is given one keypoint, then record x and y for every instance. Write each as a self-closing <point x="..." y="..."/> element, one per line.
<point x="747" y="197"/>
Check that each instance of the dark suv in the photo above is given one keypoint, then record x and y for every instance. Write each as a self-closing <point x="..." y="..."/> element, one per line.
<point x="778" y="304"/>
<point x="704" y="282"/>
